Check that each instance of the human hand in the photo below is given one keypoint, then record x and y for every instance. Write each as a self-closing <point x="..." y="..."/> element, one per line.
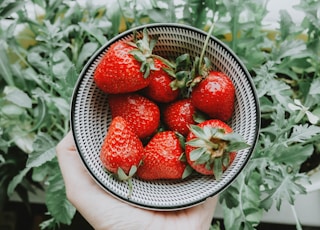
<point x="103" y="211"/>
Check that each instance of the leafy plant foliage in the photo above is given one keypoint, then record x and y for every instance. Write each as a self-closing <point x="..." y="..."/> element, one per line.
<point x="44" y="45"/>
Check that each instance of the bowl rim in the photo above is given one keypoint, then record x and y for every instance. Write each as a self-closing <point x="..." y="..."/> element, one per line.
<point x="98" y="52"/>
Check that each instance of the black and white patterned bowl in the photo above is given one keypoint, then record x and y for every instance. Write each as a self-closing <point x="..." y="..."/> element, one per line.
<point x="90" y="118"/>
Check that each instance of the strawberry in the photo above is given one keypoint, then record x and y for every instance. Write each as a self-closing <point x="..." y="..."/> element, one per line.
<point x="126" y="66"/>
<point x="121" y="151"/>
<point x="118" y="71"/>
<point x="162" y="158"/>
<point x="211" y="147"/>
<point x="214" y="95"/>
<point x="159" y="88"/>
<point x="178" y="115"/>
<point x="142" y="114"/>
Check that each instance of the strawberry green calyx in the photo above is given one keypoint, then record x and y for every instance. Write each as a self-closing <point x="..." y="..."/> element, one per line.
<point x="188" y="169"/>
<point x="143" y="53"/>
<point x="213" y="147"/>
<point x="180" y="70"/>
<point x="186" y="72"/>
<point x="122" y="176"/>
<point x="202" y="65"/>
<point x="187" y="172"/>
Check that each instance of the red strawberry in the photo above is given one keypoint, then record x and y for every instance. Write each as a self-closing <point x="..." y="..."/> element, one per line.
<point x="126" y="66"/>
<point x="119" y="71"/>
<point x="215" y="95"/>
<point x="159" y="88"/>
<point x="179" y="115"/>
<point x="211" y="146"/>
<point x="162" y="158"/>
<point x="121" y="151"/>
<point x="142" y="114"/>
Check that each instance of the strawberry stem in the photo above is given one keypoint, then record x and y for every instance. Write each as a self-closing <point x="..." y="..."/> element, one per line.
<point x="130" y="186"/>
<point x="165" y="61"/>
<point x="206" y="42"/>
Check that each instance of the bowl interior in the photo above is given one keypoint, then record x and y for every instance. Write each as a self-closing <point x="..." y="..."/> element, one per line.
<point x="90" y="118"/>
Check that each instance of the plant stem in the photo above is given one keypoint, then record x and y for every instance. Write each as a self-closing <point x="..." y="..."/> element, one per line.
<point x="205" y="46"/>
<point x="298" y="224"/>
<point x="235" y="22"/>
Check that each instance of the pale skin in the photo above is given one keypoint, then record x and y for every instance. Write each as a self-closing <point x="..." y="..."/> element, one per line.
<point x="105" y="212"/>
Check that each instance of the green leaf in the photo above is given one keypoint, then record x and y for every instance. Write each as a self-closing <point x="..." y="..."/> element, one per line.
<point x="314" y="89"/>
<point x="43" y="142"/>
<point x="61" y="63"/>
<point x="40" y="173"/>
<point x="22" y="138"/>
<point x="157" y="15"/>
<point x="94" y="32"/>
<point x="263" y="75"/>
<point x="62" y="105"/>
<point x="280" y="91"/>
<point x="286" y="24"/>
<point x="86" y="52"/>
<point x="12" y="110"/>
<point x="301" y="133"/>
<point x="37" y="158"/>
<point x="114" y="16"/>
<point x="38" y="62"/>
<point x="234" y="217"/>
<point x="310" y="9"/>
<point x="293" y="155"/>
<point x="231" y="200"/>
<point x="283" y="185"/>
<point x="2" y="160"/>
<point x="72" y="77"/>
<point x="16" y="181"/>
<point x="48" y="224"/>
<point x="240" y="202"/>
<point x="290" y="49"/>
<point x="18" y="97"/>
<point x="56" y="201"/>
<point x="9" y="7"/>
<point x="5" y="70"/>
